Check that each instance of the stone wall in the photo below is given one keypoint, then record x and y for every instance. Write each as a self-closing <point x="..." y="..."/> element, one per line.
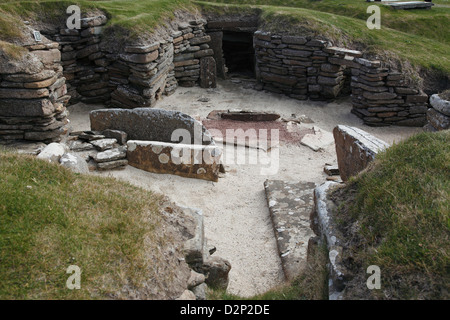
<point x="382" y="96"/>
<point x="303" y="67"/>
<point x="33" y="95"/>
<point x="192" y="54"/>
<point x="438" y="116"/>
<point x="84" y="62"/>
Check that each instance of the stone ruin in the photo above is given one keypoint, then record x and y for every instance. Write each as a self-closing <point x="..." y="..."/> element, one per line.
<point x="82" y="65"/>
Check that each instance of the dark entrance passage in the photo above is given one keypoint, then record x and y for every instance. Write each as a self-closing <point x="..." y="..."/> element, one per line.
<point x="239" y="53"/>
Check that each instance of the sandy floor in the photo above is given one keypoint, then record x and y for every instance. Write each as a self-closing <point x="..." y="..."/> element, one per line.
<point x="237" y="218"/>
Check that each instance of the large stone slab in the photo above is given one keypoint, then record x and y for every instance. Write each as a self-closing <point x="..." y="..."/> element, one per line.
<point x="290" y="206"/>
<point x="208" y="73"/>
<point x="151" y="125"/>
<point x="186" y="160"/>
<point x="355" y="149"/>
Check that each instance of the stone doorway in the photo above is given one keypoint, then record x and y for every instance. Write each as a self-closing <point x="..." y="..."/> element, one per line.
<point x="239" y="53"/>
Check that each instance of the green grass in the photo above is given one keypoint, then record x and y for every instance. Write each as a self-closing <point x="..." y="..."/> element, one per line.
<point x="418" y="37"/>
<point x="402" y="207"/>
<point x="51" y="218"/>
<point x="310" y="284"/>
<point x="421" y="39"/>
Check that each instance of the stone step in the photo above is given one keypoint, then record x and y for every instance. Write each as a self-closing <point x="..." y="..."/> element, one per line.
<point x="290" y="207"/>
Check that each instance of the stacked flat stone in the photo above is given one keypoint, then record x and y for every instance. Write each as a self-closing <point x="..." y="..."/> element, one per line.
<point x="297" y="66"/>
<point x="438" y="115"/>
<point x="33" y="96"/>
<point x="142" y="73"/>
<point x="383" y="97"/>
<point x="105" y="150"/>
<point x="84" y="61"/>
<point x="192" y="51"/>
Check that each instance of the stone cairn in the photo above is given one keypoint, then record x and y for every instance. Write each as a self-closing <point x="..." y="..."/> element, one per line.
<point x="33" y="95"/>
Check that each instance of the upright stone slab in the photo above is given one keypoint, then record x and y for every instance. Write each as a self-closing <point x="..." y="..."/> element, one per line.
<point x="290" y="206"/>
<point x="186" y="160"/>
<point x="355" y="149"/>
<point x="208" y="73"/>
<point x="151" y="125"/>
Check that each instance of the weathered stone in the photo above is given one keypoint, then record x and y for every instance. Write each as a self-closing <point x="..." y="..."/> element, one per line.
<point x="40" y="84"/>
<point x="199" y="40"/>
<point x="441" y="105"/>
<point x="93" y="21"/>
<point x="26" y="108"/>
<point x="249" y="116"/>
<point x="140" y="58"/>
<point x="200" y="291"/>
<point x="77" y="145"/>
<point x="318" y="140"/>
<point x="111" y="155"/>
<point x="186" y="295"/>
<point x="74" y="163"/>
<point x="379" y="96"/>
<point x="190" y="161"/>
<point x="120" y="136"/>
<point x="296" y="53"/>
<point x="48" y="57"/>
<point x="136" y="123"/>
<point x="331" y="170"/>
<point x="117" y="164"/>
<point x="438" y="120"/>
<point x="143" y="49"/>
<point x="419" y="98"/>
<point x="87" y="51"/>
<point x="195" y="279"/>
<point x="27" y="64"/>
<point x="355" y="149"/>
<point x="203" y="53"/>
<point x="104" y="144"/>
<point x="216" y="270"/>
<point x="290" y="205"/>
<point x="343" y="51"/>
<point x="293" y="39"/>
<point x="23" y="93"/>
<point x="208" y="73"/>
<point x="53" y="152"/>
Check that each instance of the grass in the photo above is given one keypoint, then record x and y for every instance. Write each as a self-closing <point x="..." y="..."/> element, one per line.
<point x="401" y="207"/>
<point x="420" y="40"/>
<point x="51" y="218"/>
<point x="310" y="284"/>
<point x="410" y="36"/>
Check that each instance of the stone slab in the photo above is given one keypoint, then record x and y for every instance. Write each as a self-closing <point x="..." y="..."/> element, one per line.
<point x="290" y="205"/>
<point x="151" y="125"/>
<point x="186" y="160"/>
<point x="355" y="149"/>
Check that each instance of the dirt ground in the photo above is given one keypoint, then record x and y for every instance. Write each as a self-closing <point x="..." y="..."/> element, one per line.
<point x="236" y="214"/>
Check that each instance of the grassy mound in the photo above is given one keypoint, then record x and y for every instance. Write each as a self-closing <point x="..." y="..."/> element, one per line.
<point x="396" y="215"/>
<point x="51" y="218"/>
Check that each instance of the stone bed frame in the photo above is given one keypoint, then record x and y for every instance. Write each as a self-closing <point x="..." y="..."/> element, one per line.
<point x="81" y="65"/>
<point x="154" y="135"/>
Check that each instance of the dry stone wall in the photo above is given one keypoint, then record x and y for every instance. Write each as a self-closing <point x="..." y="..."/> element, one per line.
<point x="307" y="68"/>
<point x="193" y="55"/>
<point x="381" y="96"/>
<point x="33" y="94"/>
